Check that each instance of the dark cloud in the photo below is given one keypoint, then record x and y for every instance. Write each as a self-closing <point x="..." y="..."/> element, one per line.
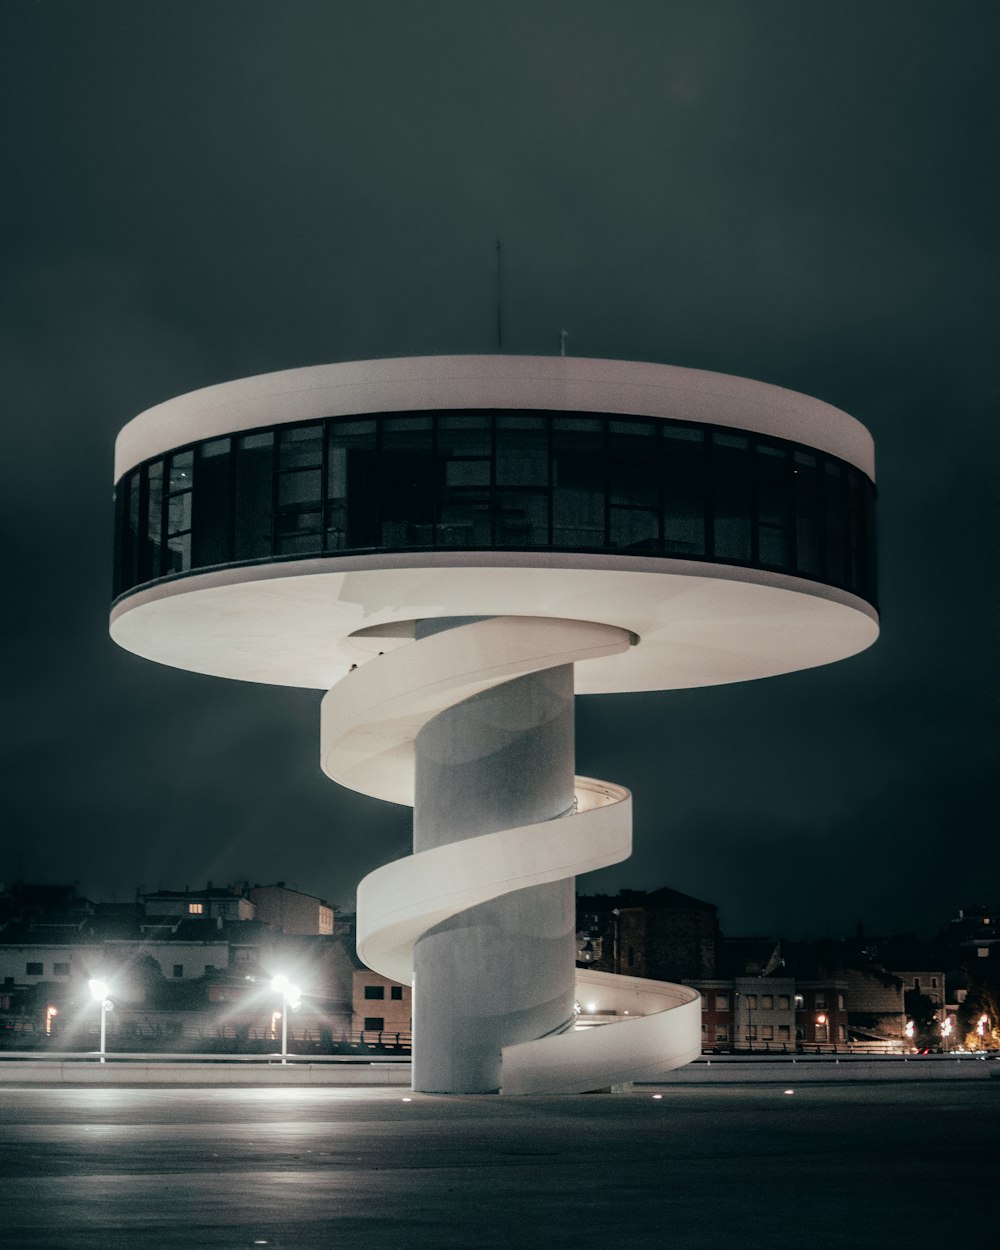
<point x="805" y="195"/>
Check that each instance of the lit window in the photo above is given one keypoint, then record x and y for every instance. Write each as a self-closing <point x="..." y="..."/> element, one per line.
<point x="196" y="909"/>
<point x="722" y="1002"/>
<point x="784" y="1002"/>
<point x="752" y="1002"/>
<point x="767" y="1032"/>
<point x="767" y="1002"/>
<point x="722" y="1033"/>
<point x="841" y="1001"/>
<point x="982" y="951"/>
<point x="800" y="1002"/>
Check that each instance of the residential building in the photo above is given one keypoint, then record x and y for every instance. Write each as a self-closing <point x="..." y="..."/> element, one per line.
<point x="290" y="910"/>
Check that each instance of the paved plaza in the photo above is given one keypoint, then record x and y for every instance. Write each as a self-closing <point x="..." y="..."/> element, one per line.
<point x="739" y="1166"/>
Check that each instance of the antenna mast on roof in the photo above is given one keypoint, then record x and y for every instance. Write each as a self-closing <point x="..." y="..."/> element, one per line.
<point x="499" y="300"/>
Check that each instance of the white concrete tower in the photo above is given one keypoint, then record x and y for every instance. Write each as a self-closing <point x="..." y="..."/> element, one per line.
<point x="449" y="546"/>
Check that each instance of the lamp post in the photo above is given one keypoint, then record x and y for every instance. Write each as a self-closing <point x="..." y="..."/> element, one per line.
<point x="291" y="995"/>
<point x="99" y="991"/>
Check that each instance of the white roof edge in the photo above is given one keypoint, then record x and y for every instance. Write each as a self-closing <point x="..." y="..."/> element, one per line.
<point x="567" y="383"/>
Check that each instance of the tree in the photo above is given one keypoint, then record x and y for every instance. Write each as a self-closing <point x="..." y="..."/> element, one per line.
<point x="923" y="1012"/>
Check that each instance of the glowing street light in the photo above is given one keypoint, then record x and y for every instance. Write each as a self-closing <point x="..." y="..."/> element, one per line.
<point x="50" y="1014"/>
<point x="99" y="991"/>
<point x="910" y="1028"/>
<point x="981" y="1024"/>
<point x="291" y="996"/>
<point x="947" y="1025"/>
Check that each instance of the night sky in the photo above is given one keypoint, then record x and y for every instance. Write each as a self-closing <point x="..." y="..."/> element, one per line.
<point x="803" y="193"/>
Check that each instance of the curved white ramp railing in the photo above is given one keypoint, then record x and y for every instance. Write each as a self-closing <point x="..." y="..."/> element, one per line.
<point x="369" y="723"/>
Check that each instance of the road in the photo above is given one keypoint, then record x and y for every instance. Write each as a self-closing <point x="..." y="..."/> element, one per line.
<point x="698" y="1167"/>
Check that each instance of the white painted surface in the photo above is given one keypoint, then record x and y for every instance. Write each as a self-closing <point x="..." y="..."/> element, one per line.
<point x="369" y="723"/>
<point x="661" y="1031"/>
<point x="697" y="624"/>
<point x="555" y="383"/>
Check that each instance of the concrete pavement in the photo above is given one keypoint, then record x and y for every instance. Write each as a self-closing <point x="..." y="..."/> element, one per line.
<point x="708" y="1167"/>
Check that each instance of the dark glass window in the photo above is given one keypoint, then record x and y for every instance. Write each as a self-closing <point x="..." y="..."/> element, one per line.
<point x="406" y="482"/>
<point x="127" y="501"/>
<point x="299" y="494"/>
<point x="834" y="528"/>
<point x="151" y="557"/>
<point x="633" y="485"/>
<point x="871" y="567"/>
<point x="522" y="518"/>
<point x="212" y="510"/>
<point x="374" y="1024"/>
<point x="396" y="992"/>
<point x="683" y="491"/>
<point x="773" y="505"/>
<point x="522" y="451"/>
<point x="808" y="534"/>
<point x="34" y="969"/>
<point x="300" y="447"/>
<point x="510" y="481"/>
<point x="351" y="485"/>
<point x="856" y="542"/>
<point x="522" y="479"/>
<point x="462" y="515"/>
<point x="374" y="991"/>
<point x="254" y="496"/>
<point x="635" y="528"/>
<point x="180" y="474"/>
<point x="578" y="482"/>
<point x="732" y="498"/>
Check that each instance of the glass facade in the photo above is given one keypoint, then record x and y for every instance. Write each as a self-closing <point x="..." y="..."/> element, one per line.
<point x="503" y="481"/>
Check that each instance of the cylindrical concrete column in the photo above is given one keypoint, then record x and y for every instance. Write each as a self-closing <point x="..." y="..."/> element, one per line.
<point x="502" y="972"/>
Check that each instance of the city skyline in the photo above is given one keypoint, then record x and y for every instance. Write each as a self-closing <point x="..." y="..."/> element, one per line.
<point x="667" y="188"/>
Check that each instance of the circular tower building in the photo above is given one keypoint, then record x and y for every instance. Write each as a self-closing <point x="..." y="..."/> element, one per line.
<point x="453" y="547"/>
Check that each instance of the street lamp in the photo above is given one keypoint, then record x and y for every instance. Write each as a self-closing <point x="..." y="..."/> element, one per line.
<point x="291" y="996"/>
<point x="99" y="991"/>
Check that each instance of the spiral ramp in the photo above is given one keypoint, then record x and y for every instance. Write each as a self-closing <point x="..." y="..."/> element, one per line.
<point x="370" y="722"/>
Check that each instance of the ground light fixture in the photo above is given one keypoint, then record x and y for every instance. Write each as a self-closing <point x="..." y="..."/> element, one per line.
<point x="99" y="992"/>
<point x="291" y="996"/>
<point x="453" y="548"/>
